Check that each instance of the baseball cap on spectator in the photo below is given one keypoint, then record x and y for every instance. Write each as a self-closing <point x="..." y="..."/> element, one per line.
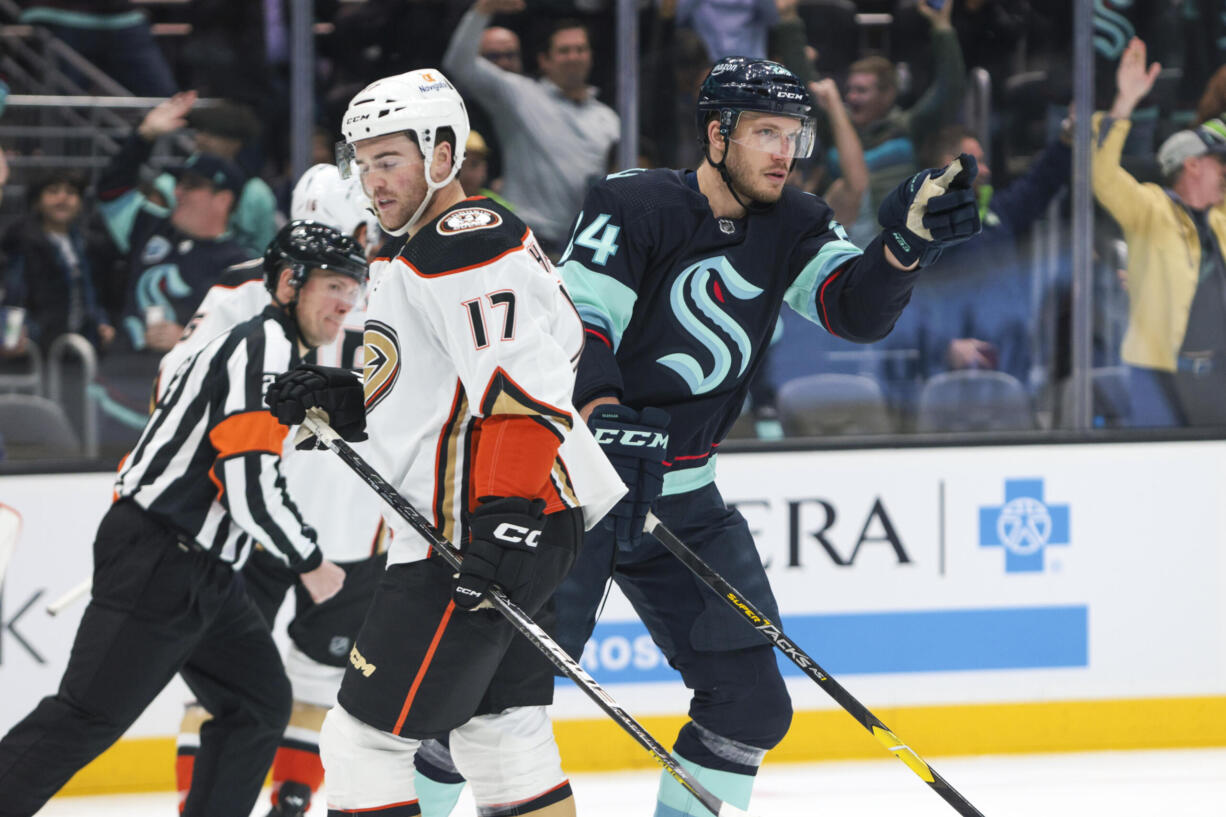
<point x="221" y="173"/>
<point x="476" y="145"/>
<point x="1203" y="140"/>
<point x="226" y="119"/>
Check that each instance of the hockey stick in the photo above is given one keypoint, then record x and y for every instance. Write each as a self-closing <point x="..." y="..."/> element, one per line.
<point x="10" y="529"/>
<point x="317" y="424"/>
<point x="772" y="633"/>
<point x="70" y="597"/>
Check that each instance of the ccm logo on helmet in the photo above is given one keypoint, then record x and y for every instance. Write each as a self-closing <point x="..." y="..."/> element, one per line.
<point x="639" y="439"/>
<point x="517" y="534"/>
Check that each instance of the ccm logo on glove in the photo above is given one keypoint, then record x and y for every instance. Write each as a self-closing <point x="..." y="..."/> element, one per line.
<point x="645" y="439"/>
<point x="517" y="534"/>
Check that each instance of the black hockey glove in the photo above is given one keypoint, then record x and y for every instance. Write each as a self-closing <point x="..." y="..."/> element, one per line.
<point x="931" y="210"/>
<point x="337" y="391"/>
<point x="636" y="443"/>
<point x="504" y="532"/>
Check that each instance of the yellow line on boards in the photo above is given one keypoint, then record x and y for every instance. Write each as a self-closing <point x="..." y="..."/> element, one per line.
<point x="598" y="744"/>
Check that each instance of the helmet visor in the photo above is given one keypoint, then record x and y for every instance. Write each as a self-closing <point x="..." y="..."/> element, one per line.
<point x="346" y="159"/>
<point x="777" y="134"/>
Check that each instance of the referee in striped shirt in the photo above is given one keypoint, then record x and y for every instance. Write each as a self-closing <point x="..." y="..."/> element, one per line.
<point x="202" y="485"/>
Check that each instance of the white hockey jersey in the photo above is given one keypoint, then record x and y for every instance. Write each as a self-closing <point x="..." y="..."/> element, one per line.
<point x="345" y="513"/>
<point x="470" y="320"/>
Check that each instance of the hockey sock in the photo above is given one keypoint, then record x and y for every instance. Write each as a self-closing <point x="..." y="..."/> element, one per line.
<point x="187" y="743"/>
<point x="297" y="759"/>
<point x="436" y="779"/>
<point x="725" y="767"/>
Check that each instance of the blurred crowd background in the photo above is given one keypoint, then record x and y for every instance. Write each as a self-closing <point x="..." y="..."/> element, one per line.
<point x="93" y="292"/>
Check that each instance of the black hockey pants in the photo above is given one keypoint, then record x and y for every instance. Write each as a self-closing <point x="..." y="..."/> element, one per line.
<point x="158" y="608"/>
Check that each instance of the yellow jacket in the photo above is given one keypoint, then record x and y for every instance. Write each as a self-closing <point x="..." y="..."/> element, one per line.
<point x="1163" y="251"/>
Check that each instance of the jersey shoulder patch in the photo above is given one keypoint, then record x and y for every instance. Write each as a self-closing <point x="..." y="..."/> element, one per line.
<point x="470" y="234"/>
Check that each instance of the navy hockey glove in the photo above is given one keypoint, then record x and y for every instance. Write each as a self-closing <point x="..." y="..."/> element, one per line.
<point x="636" y="443"/>
<point x="337" y="391"/>
<point x="931" y="210"/>
<point x="505" y="532"/>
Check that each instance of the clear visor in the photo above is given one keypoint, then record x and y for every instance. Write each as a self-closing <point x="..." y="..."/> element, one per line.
<point x="777" y="134"/>
<point x="346" y="159"/>
<point x="349" y="165"/>
<point x="340" y="288"/>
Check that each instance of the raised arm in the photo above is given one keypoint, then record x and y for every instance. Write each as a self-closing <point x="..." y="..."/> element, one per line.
<point x="847" y="192"/>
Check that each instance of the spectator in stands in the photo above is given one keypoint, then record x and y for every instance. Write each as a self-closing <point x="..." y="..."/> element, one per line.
<point x="172" y="257"/>
<point x="730" y="27"/>
<point x="1175" y="344"/>
<point x="889" y="134"/>
<point x="555" y="134"/>
<point x="972" y="309"/>
<point x="112" y="34"/>
<point x="224" y="130"/>
<point x="48" y="270"/>
<point x="501" y="46"/>
<point x="474" y="174"/>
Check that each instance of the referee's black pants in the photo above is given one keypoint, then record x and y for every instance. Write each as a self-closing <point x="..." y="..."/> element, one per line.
<point x="157" y="609"/>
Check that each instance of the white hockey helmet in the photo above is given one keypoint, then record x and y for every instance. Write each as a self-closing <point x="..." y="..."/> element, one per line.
<point x="421" y="101"/>
<point x="322" y="195"/>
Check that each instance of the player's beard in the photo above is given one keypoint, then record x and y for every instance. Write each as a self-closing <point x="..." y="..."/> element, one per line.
<point x="747" y="181"/>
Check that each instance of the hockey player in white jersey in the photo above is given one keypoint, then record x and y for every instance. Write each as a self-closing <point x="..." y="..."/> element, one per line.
<point x="346" y="516"/>
<point x="466" y="395"/>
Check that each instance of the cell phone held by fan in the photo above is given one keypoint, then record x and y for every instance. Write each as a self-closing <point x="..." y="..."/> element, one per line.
<point x="935" y="5"/>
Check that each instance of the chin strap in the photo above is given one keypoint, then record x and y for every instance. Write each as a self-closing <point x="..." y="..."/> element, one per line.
<point x="751" y="207"/>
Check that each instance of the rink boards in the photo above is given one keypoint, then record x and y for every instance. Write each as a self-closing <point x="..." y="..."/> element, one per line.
<point x="994" y="599"/>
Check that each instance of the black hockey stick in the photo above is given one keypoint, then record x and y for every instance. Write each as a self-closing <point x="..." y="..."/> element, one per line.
<point x="772" y="633"/>
<point x="316" y="423"/>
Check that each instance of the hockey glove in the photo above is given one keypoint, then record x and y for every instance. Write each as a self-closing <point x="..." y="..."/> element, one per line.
<point x="931" y="210"/>
<point x="337" y="391"/>
<point x="505" y="532"/>
<point x="636" y="443"/>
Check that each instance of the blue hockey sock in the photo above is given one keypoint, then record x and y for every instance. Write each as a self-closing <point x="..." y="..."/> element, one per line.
<point x="435" y="798"/>
<point x="436" y="779"/>
<point x="723" y="766"/>
<point x="673" y="800"/>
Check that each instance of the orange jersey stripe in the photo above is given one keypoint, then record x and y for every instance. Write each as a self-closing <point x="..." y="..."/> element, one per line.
<point x="249" y="431"/>
<point x="425" y="665"/>
<point x="515" y="455"/>
<point x="244" y="433"/>
<point x="372" y="808"/>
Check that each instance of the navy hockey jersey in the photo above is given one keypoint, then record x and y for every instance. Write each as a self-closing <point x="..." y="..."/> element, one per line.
<point x="679" y="306"/>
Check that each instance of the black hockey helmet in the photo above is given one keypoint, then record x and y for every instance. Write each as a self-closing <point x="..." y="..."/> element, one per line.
<point x="738" y="84"/>
<point x="304" y="245"/>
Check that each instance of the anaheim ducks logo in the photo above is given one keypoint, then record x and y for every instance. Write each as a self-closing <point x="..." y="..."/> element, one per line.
<point x="470" y="218"/>
<point x="381" y="363"/>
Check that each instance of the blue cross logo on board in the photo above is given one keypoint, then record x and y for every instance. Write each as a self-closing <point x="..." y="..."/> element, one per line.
<point x="1024" y="526"/>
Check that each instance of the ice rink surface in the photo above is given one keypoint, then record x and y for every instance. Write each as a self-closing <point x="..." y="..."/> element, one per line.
<point x="1171" y="783"/>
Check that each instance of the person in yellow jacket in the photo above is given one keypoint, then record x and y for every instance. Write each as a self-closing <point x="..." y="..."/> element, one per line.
<point x="1175" y="343"/>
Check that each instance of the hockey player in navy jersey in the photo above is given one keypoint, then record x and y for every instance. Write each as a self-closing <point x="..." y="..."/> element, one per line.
<point x="679" y="277"/>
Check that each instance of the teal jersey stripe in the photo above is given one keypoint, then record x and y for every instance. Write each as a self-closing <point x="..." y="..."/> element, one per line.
<point x="890" y="153"/>
<point x="599" y="299"/>
<point x="81" y="19"/>
<point x="689" y="479"/>
<point x="802" y="294"/>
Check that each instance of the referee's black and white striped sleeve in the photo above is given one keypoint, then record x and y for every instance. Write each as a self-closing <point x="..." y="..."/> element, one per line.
<point x="248" y="441"/>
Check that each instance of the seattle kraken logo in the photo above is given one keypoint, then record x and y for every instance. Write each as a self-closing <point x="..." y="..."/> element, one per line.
<point x="695" y="279"/>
